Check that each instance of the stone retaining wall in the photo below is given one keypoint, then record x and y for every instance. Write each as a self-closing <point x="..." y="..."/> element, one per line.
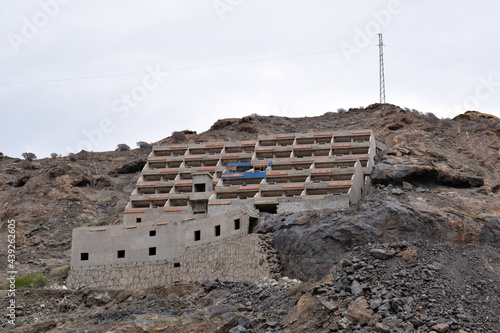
<point x="295" y="206"/>
<point x="246" y="258"/>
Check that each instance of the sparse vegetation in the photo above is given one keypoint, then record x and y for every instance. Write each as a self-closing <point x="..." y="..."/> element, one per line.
<point x="123" y="147"/>
<point x="62" y="274"/>
<point x="54" y="155"/>
<point x="447" y="122"/>
<point x="72" y="157"/>
<point x="101" y="223"/>
<point x="296" y="289"/>
<point x="83" y="155"/>
<point x="31" y="281"/>
<point x="39" y="280"/>
<point x="414" y="111"/>
<point x="341" y="110"/>
<point x="178" y="136"/>
<point x="29" y="156"/>
<point x="431" y="118"/>
<point x="144" y="144"/>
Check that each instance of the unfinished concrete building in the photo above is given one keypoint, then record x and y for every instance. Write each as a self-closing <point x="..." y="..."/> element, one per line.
<point x="195" y="197"/>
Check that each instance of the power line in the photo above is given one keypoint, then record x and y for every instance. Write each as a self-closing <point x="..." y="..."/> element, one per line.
<point x="433" y="65"/>
<point x="470" y="61"/>
<point x="445" y="45"/>
<point x="172" y="59"/>
<point x="173" y="69"/>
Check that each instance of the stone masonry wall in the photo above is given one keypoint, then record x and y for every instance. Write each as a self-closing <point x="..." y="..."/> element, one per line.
<point x="294" y="206"/>
<point x="248" y="258"/>
<point x="247" y="205"/>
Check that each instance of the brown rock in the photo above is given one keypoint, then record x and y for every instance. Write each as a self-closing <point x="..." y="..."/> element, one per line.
<point x="44" y="326"/>
<point x="343" y="323"/>
<point x="410" y="256"/>
<point x="382" y="328"/>
<point x="305" y="306"/>
<point x="227" y="325"/>
<point x="441" y="328"/>
<point x="395" y="126"/>
<point x="407" y="186"/>
<point x="475" y="115"/>
<point x="346" y="262"/>
<point x="330" y="306"/>
<point x="359" y="312"/>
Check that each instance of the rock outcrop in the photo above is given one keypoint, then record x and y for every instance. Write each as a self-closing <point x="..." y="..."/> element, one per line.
<point x="309" y="242"/>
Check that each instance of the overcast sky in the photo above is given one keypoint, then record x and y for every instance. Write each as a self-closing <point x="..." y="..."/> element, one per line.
<point x="92" y="74"/>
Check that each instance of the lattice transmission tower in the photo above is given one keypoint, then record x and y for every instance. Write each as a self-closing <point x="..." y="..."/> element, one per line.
<point x="381" y="61"/>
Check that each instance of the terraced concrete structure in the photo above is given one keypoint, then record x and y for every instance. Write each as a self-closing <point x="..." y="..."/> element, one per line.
<point x="195" y="196"/>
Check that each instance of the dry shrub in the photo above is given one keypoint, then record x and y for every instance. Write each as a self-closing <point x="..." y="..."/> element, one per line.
<point x="296" y="289"/>
<point x="29" y="156"/>
<point x="178" y="137"/>
<point x="144" y="144"/>
<point x="123" y="147"/>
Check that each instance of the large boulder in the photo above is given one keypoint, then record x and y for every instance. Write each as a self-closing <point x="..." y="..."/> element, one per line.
<point x="397" y="173"/>
<point x="310" y="242"/>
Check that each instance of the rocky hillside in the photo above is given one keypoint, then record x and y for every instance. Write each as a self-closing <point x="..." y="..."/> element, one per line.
<point x="403" y="287"/>
<point x="435" y="193"/>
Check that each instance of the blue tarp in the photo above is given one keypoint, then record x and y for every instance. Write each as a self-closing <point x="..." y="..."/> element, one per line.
<point x="244" y="175"/>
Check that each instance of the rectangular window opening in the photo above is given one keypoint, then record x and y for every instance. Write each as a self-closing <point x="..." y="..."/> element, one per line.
<point x="197" y="235"/>
<point x="152" y="233"/>
<point x="121" y="254"/>
<point x="152" y="251"/>
<point x="237" y="224"/>
<point x="177" y="264"/>
<point x="84" y="256"/>
<point x="217" y="230"/>
<point x="252" y="224"/>
<point x="138" y="220"/>
<point x="199" y="187"/>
